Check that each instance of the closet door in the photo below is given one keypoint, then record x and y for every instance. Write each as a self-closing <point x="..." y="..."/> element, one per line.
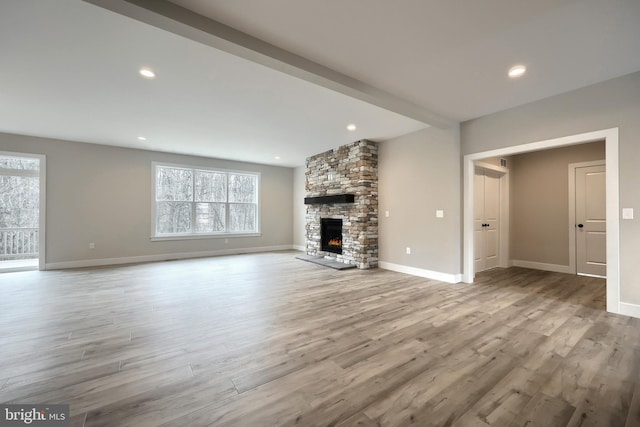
<point x="486" y="220"/>
<point x="591" y="222"/>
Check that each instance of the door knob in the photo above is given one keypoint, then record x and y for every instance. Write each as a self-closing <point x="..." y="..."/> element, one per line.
<point x="580" y="225"/>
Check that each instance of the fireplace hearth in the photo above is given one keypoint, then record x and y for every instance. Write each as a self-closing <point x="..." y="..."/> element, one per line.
<point x="331" y="235"/>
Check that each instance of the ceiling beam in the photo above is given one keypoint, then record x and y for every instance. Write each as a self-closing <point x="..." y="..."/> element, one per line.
<point x="184" y="22"/>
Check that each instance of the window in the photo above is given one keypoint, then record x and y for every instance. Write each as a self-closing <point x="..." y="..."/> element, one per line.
<point x="196" y="201"/>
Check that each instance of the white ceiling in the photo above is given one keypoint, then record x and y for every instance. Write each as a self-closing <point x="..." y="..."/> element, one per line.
<point x="450" y="56"/>
<point x="69" y="69"/>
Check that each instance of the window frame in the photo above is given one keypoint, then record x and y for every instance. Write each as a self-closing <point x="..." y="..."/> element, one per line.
<point x="193" y="234"/>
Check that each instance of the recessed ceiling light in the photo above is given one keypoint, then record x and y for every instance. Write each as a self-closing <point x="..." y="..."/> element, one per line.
<point x="277" y="157"/>
<point x="147" y="73"/>
<point x="142" y="138"/>
<point x="351" y="127"/>
<point x="517" y="71"/>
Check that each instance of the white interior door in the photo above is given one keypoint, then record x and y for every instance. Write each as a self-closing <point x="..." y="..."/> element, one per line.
<point x="486" y="220"/>
<point x="479" y="257"/>
<point x="591" y="232"/>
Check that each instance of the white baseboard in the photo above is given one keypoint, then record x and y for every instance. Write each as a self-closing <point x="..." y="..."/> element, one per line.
<point x="420" y="272"/>
<point x="300" y="248"/>
<point x="541" y="266"/>
<point x="19" y="269"/>
<point x="160" y="257"/>
<point x="629" y="309"/>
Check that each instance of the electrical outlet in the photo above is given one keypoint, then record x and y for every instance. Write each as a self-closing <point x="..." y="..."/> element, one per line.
<point x="92" y="245"/>
<point x="439" y="213"/>
<point x="408" y="251"/>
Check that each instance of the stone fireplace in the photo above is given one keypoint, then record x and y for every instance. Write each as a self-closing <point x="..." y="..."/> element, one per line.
<point x="342" y="184"/>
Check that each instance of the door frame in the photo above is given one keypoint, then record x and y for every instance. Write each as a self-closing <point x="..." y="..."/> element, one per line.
<point x="611" y="138"/>
<point x="43" y="203"/>
<point x="573" y="267"/>
<point x="503" y="256"/>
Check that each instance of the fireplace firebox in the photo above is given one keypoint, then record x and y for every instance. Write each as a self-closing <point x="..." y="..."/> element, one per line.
<point x="331" y="235"/>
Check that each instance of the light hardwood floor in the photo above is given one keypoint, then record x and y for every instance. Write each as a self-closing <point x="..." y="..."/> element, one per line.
<point x="265" y="339"/>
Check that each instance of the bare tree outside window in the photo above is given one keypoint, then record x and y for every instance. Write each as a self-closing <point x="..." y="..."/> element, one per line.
<point x="242" y="188"/>
<point x="211" y="186"/>
<point x="19" y="202"/>
<point x="19" y="163"/>
<point x="211" y="193"/>
<point x="19" y="207"/>
<point x="242" y="218"/>
<point x="201" y="201"/>
<point x="242" y="206"/>
<point x="174" y="193"/>
<point x="210" y="218"/>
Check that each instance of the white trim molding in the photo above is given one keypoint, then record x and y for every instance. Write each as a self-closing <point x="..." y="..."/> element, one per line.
<point x="300" y="248"/>
<point x="19" y="269"/>
<point x="161" y="257"/>
<point x="610" y="136"/>
<point x="420" y="272"/>
<point x="629" y="309"/>
<point x="541" y="266"/>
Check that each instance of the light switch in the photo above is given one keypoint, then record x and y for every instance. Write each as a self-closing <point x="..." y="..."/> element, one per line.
<point x="627" y="213"/>
<point x="386" y="213"/>
<point x="439" y="213"/>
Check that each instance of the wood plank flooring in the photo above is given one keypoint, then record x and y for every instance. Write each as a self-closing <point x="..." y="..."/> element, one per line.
<point x="265" y="340"/>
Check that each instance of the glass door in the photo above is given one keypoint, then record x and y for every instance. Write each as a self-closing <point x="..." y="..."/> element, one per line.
<point x="19" y="213"/>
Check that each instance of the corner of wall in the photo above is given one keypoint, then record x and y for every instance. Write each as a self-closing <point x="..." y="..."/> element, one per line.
<point x="299" y="209"/>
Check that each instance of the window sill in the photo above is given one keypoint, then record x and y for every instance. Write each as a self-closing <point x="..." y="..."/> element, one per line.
<point x="203" y="236"/>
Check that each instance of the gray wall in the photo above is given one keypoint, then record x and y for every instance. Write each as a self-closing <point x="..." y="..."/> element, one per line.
<point x="299" y="208"/>
<point x="419" y="173"/>
<point x="540" y="202"/>
<point x="614" y="103"/>
<point x="102" y="194"/>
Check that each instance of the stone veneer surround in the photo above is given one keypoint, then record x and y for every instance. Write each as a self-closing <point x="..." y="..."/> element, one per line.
<point x="350" y="169"/>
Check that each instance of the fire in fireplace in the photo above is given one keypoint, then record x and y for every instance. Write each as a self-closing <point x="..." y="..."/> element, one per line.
<point x="331" y="235"/>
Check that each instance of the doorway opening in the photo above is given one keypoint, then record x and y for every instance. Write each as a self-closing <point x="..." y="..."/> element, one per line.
<point x="610" y="137"/>
<point x="21" y="212"/>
